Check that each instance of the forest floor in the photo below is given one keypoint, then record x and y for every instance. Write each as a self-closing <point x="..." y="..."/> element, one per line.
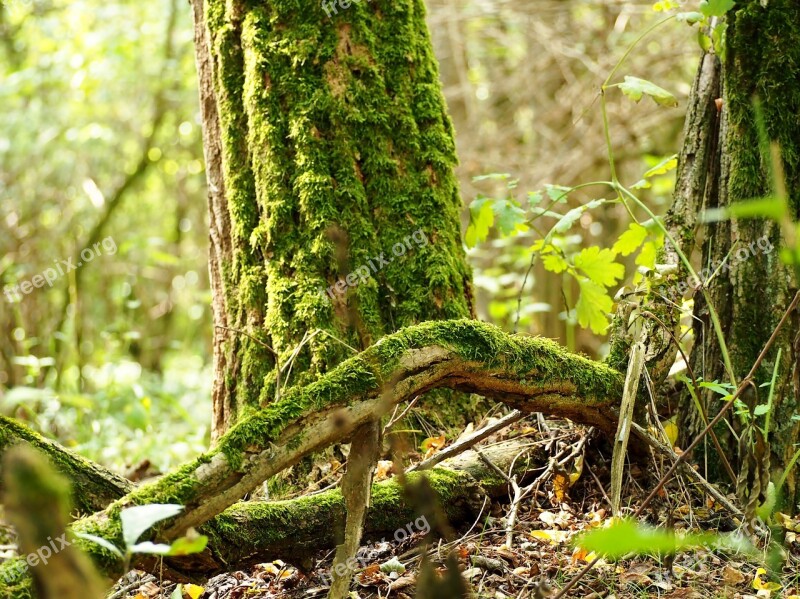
<point x="542" y="556"/>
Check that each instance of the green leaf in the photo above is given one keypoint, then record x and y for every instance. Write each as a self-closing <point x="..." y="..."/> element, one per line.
<point x="188" y="545"/>
<point x="647" y="257"/>
<point x="393" y="565"/>
<point x="136" y="520"/>
<point x="628" y="536"/>
<point x="665" y="5"/>
<point x="689" y="17"/>
<point x="554" y="263"/>
<point x="760" y="409"/>
<point x="766" y="509"/>
<point x="593" y="306"/>
<point x="492" y="177"/>
<point x="557" y="193"/>
<point x="149" y="548"/>
<point x="630" y="240"/>
<point x="510" y="217"/>
<point x="599" y="265"/>
<point x="774" y="208"/>
<point x="102" y="542"/>
<point x="535" y="197"/>
<point x="573" y="215"/>
<point x="716" y="387"/>
<point x="635" y="88"/>
<point x="183" y="546"/>
<point x="716" y="8"/>
<point x="552" y="258"/>
<point x="481" y="218"/>
<point x="663" y="167"/>
<point x="703" y="40"/>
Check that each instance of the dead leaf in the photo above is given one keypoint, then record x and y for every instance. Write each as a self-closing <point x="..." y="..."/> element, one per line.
<point x="732" y="576"/>
<point x="560" y="486"/>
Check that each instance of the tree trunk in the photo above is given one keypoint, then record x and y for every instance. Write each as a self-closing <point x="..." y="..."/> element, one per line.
<point x="334" y="207"/>
<point x="753" y="289"/>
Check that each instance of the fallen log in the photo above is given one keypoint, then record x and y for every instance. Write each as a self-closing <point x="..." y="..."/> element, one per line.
<point x="295" y="530"/>
<point x="528" y="374"/>
<point x="94" y="487"/>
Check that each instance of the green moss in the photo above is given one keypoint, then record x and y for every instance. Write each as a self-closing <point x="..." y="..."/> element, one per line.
<point x="764" y="48"/>
<point x="541" y="362"/>
<point x="761" y="107"/>
<point x="16" y="584"/>
<point x="275" y="527"/>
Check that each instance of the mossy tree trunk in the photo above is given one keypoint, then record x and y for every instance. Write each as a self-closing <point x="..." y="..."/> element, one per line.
<point x="752" y="291"/>
<point x="330" y="161"/>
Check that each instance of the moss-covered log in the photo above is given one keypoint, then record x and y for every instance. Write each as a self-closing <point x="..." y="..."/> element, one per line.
<point x="530" y="374"/>
<point x="296" y="529"/>
<point x="94" y="487"/>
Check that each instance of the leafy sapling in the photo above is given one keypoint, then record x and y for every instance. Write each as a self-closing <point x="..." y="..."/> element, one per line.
<point x="136" y="520"/>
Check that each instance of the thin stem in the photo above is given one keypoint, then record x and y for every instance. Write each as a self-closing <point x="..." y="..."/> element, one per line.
<point x="711" y="310"/>
<point x="635" y="43"/>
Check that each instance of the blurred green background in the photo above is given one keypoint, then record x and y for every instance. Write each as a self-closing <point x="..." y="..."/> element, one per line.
<point x="99" y="139"/>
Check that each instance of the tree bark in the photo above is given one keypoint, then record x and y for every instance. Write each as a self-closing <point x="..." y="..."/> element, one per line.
<point x="753" y="289"/>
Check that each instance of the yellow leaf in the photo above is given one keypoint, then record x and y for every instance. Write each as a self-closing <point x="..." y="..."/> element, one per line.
<point x="554" y="537"/>
<point x="193" y="590"/>
<point x="577" y="470"/>
<point x="560" y="486"/>
<point x="271" y="569"/>
<point x="760" y="585"/>
<point x="433" y="443"/>
<point x="671" y="428"/>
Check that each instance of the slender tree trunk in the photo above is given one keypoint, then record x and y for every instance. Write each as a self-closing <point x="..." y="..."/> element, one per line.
<point x="753" y="287"/>
<point x="334" y="207"/>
